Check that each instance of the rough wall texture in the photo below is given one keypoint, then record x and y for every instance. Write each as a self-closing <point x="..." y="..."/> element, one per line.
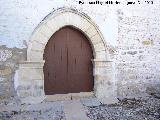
<point x="132" y="30"/>
<point x="137" y="59"/>
<point x="9" y="58"/>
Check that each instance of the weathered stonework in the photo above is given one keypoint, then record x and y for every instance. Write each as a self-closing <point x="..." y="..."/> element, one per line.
<point x="8" y="64"/>
<point x="132" y="31"/>
<point x="57" y="20"/>
<point x="30" y="81"/>
<point x="105" y="85"/>
<point x="137" y="53"/>
<point x="5" y="54"/>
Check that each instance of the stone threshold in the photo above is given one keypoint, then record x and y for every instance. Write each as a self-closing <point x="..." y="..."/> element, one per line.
<point x="69" y="96"/>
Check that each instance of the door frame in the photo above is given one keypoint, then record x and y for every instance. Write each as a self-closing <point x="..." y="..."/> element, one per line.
<point x="103" y="68"/>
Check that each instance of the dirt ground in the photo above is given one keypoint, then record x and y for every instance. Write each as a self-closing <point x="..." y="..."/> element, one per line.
<point x="147" y="108"/>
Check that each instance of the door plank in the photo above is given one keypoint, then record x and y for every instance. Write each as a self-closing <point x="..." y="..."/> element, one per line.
<point x="68" y="67"/>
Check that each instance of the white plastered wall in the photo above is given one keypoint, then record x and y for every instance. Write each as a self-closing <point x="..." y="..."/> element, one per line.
<point x="30" y="73"/>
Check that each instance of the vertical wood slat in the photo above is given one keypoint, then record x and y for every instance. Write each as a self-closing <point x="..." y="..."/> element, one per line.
<point x="68" y="56"/>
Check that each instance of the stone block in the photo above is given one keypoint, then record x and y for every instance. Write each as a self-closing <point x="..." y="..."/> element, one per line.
<point x="5" y="71"/>
<point x="153" y="90"/>
<point x="2" y="79"/>
<point x="39" y="37"/>
<point x="59" y="21"/>
<point x="103" y="72"/>
<point x="66" y="16"/>
<point x="55" y="106"/>
<point x="96" y="39"/>
<point x="30" y="80"/>
<point x="35" y="55"/>
<point x="98" y="63"/>
<point x="5" y="54"/>
<point x="74" y="19"/>
<point x="81" y="95"/>
<point x="32" y="100"/>
<point x="109" y="100"/>
<point x="37" y="46"/>
<point x="31" y="74"/>
<point x="85" y="24"/>
<point x="37" y="93"/>
<point x="105" y="91"/>
<point x="58" y="97"/>
<point x="46" y="31"/>
<point x="51" y="24"/>
<point x="102" y="55"/>
<point x="147" y="42"/>
<point x="99" y="79"/>
<point x="91" y="31"/>
<point x="90" y="102"/>
<point x="24" y="86"/>
<point x="38" y="84"/>
<point x="99" y="47"/>
<point x="24" y="93"/>
<point x="29" y="91"/>
<point x="132" y="52"/>
<point x="4" y="89"/>
<point x="31" y="64"/>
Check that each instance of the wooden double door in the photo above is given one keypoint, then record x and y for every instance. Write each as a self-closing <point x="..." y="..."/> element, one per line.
<point x="68" y="67"/>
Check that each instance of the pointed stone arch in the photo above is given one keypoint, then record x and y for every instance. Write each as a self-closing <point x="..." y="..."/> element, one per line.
<point x="30" y="82"/>
<point x="59" y="19"/>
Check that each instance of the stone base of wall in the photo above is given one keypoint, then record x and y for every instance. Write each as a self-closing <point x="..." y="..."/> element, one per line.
<point x="30" y="77"/>
<point x="30" y="82"/>
<point x="105" y="85"/>
<point x="9" y="58"/>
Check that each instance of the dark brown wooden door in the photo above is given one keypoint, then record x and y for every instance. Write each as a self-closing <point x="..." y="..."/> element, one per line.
<point x="68" y="67"/>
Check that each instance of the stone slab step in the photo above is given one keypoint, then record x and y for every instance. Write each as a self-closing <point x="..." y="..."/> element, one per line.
<point x="90" y="102"/>
<point x="74" y="110"/>
<point x="69" y="96"/>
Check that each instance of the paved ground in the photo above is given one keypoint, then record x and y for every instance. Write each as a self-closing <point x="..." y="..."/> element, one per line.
<point x="147" y="108"/>
<point x="74" y="110"/>
<point x="127" y="109"/>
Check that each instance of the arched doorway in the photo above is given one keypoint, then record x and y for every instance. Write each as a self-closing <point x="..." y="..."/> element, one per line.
<point x="30" y="76"/>
<point x="68" y="67"/>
